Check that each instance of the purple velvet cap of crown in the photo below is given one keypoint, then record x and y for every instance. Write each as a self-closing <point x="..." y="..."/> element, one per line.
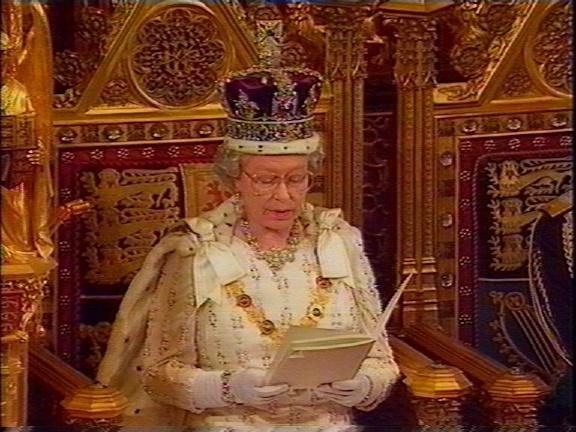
<point x="271" y="104"/>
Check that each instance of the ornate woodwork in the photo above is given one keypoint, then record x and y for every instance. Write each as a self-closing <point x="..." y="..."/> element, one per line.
<point x="345" y="70"/>
<point x="486" y="31"/>
<point x="551" y="48"/>
<point x="22" y="293"/>
<point x="67" y="397"/>
<point x="477" y="93"/>
<point x="438" y="391"/>
<point x="415" y="78"/>
<point x="192" y="52"/>
<point x="510" y="397"/>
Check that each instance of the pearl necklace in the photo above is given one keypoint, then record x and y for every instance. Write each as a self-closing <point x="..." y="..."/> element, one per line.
<point x="275" y="258"/>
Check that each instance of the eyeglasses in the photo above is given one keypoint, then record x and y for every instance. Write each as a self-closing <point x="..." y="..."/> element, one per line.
<point x="264" y="184"/>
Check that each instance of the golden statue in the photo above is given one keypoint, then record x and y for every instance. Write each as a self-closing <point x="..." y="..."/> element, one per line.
<point x="28" y="214"/>
<point x="17" y="239"/>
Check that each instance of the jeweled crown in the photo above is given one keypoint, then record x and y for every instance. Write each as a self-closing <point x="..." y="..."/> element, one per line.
<point x="271" y="105"/>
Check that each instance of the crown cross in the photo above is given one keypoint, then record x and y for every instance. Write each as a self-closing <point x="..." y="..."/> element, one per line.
<point x="269" y="39"/>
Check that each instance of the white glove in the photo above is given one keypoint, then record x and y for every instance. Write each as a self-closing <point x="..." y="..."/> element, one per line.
<point x="349" y="393"/>
<point x="210" y="389"/>
<point x="247" y="387"/>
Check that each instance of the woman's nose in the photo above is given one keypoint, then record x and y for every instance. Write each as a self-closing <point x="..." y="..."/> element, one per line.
<point x="281" y="192"/>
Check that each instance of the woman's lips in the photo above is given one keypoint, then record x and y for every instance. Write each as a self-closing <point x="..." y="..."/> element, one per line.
<point x="280" y="214"/>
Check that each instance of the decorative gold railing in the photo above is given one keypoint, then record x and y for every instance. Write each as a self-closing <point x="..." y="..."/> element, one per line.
<point x="82" y="401"/>
<point x="508" y="396"/>
<point x="436" y="392"/>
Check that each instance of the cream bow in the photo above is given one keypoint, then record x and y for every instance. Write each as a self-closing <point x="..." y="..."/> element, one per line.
<point x="214" y="264"/>
<point x="332" y="252"/>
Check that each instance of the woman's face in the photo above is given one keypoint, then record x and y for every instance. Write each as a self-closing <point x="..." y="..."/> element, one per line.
<point x="268" y="203"/>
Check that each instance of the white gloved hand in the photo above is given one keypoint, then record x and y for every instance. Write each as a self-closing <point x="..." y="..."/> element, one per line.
<point x="247" y="387"/>
<point x="215" y="389"/>
<point x="349" y="393"/>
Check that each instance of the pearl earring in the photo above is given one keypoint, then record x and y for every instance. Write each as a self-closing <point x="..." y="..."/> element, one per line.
<point x="237" y="201"/>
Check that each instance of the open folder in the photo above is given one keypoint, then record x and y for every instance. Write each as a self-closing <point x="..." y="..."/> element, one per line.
<point x="310" y="356"/>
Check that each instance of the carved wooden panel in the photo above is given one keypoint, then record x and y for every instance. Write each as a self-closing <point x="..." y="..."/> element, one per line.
<point x="483" y="32"/>
<point x="177" y="57"/>
<point x="146" y="54"/>
<point x="550" y="50"/>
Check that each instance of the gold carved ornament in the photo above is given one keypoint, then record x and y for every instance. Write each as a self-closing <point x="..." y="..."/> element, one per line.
<point x="21" y="301"/>
<point x="117" y="93"/>
<point x="344" y="35"/>
<point x="73" y="69"/>
<point x="482" y="31"/>
<point x="415" y="55"/>
<point x="94" y="32"/>
<point x="516" y="84"/>
<point x="299" y="41"/>
<point x="305" y="44"/>
<point x="552" y="49"/>
<point x="178" y="57"/>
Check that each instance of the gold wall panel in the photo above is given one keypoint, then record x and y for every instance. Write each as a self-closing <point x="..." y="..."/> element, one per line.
<point x="518" y="83"/>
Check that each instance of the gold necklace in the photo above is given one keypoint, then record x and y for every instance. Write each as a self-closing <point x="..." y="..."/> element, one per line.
<point x="315" y="311"/>
<point x="275" y="258"/>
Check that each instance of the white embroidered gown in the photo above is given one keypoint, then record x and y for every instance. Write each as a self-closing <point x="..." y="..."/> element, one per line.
<point x="221" y="335"/>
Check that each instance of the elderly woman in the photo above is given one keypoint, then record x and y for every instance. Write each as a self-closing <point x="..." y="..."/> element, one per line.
<point x="201" y="322"/>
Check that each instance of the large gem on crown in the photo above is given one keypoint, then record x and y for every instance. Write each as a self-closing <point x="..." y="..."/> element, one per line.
<point x="271" y="104"/>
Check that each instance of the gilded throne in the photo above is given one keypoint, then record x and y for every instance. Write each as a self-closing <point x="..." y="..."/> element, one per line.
<point x="445" y="163"/>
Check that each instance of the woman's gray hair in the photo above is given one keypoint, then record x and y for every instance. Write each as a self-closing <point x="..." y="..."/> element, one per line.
<point x="227" y="164"/>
